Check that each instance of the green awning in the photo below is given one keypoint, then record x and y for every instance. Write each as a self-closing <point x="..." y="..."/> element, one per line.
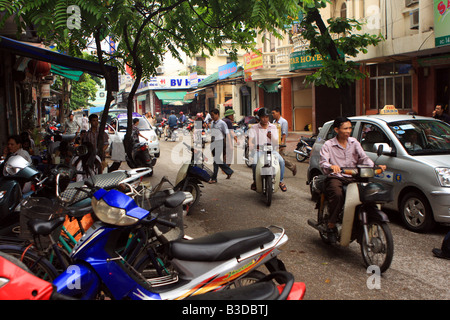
<point x="66" y="72"/>
<point x="171" y="97"/>
<point x="270" y="86"/>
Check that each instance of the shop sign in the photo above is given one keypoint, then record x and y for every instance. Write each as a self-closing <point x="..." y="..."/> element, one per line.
<point x="227" y="70"/>
<point x="442" y="22"/>
<point x="253" y="61"/>
<point x="302" y="60"/>
<point x="182" y="82"/>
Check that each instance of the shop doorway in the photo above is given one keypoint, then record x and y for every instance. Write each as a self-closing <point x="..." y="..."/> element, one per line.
<point x="443" y="87"/>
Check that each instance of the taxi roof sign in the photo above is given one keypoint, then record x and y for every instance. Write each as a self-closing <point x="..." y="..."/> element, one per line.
<point x="389" y="109"/>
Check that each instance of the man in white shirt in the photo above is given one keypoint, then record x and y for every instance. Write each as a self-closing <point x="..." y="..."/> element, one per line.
<point x="276" y="113"/>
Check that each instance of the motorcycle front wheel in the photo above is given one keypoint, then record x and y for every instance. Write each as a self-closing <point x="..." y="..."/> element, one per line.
<point x="194" y="189"/>
<point x="268" y="185"/>
<point x="304" y="150"/>
<point x="377" y="246"/>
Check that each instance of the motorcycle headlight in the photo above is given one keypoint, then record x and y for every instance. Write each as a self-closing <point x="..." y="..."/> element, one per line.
<point x="10" y="170"/>
<point x="111" y="215"/>
<point x="443" y="175"/>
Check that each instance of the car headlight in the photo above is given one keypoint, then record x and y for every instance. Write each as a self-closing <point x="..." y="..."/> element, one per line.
<point x="111" y="215"/>
<point x="443" y="175"/>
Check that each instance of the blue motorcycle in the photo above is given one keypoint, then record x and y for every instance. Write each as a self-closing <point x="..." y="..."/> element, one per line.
<point x="105" y="261"/>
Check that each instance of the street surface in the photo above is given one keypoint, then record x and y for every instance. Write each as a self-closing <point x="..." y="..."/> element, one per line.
<point x="329" y="273"/>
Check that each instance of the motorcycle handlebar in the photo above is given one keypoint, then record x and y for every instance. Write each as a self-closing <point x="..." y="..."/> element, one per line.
<point x="355" y="171"/>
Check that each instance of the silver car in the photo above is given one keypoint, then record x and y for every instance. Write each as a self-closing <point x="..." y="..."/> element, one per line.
<point x="416" y="151"/>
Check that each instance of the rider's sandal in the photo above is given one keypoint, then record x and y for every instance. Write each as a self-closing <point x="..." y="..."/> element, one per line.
<point x="253" y="186"/>
<point x="283" y="187"/>
<point x="212" y="181"/>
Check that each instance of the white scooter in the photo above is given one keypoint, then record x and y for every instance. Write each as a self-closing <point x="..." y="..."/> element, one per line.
<point x="267" y="174"/>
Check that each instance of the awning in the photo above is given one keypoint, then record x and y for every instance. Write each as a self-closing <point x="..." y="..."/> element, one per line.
<point x="66" y="72"/>
<point x="215" y="78"/>
<point x="170" y="97"/>
<point x="270" y="86"/>
<point x="27" y="50"/>
<point x="228" y="103"/>
<point x="96" y="109"/>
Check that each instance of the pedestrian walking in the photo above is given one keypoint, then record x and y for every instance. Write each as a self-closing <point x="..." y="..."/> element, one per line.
<point x="219" y="138"/>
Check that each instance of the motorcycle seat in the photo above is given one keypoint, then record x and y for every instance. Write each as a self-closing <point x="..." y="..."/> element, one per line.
<point x="44" y="227"/>
<point x="105" y="181"/>
<point x="221" y="246"/>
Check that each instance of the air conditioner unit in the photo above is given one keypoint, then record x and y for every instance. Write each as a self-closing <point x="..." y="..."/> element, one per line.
<point x="409" y="3"/>
<point x="159" y="70"/>
<point x="414" y="19"/>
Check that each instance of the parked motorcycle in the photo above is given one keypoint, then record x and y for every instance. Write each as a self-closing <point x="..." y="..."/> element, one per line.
<point x="187" y="127"/>
<point x="140" y="156"/>
<point x="18" y="283"/>
<point x="159" y="127"/>
<point x="191" y="175"/>
<point x="304" y="147"/>
<point x="17" y="176"/>
<point x="195" y="266"/>
<point x="361" y="219"/>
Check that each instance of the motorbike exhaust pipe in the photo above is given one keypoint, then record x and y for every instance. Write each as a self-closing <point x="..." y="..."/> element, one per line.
<point x="301" y="153"/>
<point x="189" y="198"/>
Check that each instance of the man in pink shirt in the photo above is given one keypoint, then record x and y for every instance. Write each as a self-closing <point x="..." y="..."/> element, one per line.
<point x="342" y="151"/>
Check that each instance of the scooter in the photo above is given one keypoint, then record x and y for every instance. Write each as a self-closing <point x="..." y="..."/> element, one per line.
<point x="304" y="147"/>
<point x="197" y="266"/>
<point x="171" y="134"/>
<point x="18" y="283"/>
<point x="191" y="175"/>
<point x="267" y="173"/>
<point x="361" y="218"/>
<point x="140" y="156"/>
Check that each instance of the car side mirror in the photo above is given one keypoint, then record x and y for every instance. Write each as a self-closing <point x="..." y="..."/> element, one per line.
<point x="382" y="148"/>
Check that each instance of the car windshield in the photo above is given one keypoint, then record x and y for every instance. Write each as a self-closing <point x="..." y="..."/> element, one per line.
<point x="423" y="137"/>
<point x="143" y="125"/>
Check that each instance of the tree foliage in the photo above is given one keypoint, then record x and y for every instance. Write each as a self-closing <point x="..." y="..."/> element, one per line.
<point x="338" y="36"/>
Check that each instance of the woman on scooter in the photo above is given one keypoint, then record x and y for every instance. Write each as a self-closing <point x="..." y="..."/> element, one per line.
<point x="260" y="134"/>
<point x="337" y="153"/>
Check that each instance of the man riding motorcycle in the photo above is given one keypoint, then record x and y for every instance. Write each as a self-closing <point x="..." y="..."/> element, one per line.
<point x="260" y="134"/>
<point x="337" y="153"/>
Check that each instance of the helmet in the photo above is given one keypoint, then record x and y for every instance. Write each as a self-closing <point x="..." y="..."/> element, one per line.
<point x="255" y="112"/>
<point x="263" y="112"/>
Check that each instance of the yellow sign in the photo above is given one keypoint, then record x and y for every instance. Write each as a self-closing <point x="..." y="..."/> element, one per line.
<point x="253" y="61"/>
<point x="389" y="109"/>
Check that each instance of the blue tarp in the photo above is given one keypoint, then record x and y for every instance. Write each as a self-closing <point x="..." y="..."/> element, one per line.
<point x="96" y="110"/>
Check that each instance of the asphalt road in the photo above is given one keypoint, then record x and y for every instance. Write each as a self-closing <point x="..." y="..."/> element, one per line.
<point x="329" y="273"/>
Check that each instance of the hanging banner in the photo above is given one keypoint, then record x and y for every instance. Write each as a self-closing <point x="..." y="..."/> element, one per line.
<point x="442" y="22"/>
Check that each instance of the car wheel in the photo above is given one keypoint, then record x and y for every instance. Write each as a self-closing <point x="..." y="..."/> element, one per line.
<point x="416" y="212"/>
